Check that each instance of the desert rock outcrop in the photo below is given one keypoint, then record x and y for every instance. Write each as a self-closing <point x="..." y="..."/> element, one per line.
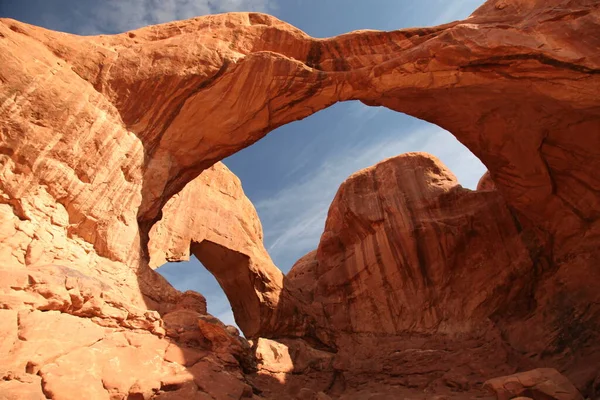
<point x="411" y="271"/>
<point x="212" y="217"/>
<point x="162" y="344"/>
<point x="98" y="133"/>
<point x="542" y="383"/>
<point x="406" y="227"/>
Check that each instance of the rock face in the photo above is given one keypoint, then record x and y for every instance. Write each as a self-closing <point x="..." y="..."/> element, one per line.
<point x="213" y="216"/>
<point x="404" y="269"/>
<point x="98" y="133"/>
<point x="54" y="319"/>
<point x="406" y="227"/>
<point x="486" y="182"/>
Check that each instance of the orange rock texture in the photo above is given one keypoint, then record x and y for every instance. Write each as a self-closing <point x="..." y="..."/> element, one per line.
<point x="410" y="275"/>
<point x="416" y="280"/>
<point x="72" y="330"/>
<point x="226" y="235"/>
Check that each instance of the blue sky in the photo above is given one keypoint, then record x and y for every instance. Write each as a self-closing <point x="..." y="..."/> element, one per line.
<point x="291" y="175"/>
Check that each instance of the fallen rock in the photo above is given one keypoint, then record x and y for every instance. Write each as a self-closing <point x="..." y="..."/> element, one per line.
<point x="538" y="384"/>
<point x="273" y="356"/>
<point x="218" y="383"/>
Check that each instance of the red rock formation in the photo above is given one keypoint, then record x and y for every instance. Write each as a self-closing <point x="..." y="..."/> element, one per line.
<point x="486" y="182"/>
<point x="97" y="133"/>
<point x="55" y="319"/>
<point x="413" y="267"/>
<point x="213" y="216"/>
<point x="493" y="49"/>
<point x="406" y="227"/>
<point x="543" y="383"/>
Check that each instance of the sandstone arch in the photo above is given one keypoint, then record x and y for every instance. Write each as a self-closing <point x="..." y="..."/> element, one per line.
<point x="98" y="133"/>
<point x="226" y="237"/>
<point x="230" y="268"/>
<point x="522" y="100"/>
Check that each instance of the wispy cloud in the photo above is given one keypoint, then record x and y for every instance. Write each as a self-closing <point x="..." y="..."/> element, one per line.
<point x="294" y="218"/>
<point x="449" y="11"/>
<point x="114" y="16"/>
<point x="361" y="116"/>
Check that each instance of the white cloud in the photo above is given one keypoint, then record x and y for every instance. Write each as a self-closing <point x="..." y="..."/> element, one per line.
<point x="115" y="16"/>
<point x="454" y="10"/>
<point x="361" y="116"/>
<point x="294" y="218"/>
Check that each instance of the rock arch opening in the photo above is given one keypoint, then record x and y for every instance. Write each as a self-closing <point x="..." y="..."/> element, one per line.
<point x="292" y="188"/>
<point x="413" y="233"/>
<point x="230" y="269"/>
<point x="212" y="219"/>
<point x="193" y="275"/>
<point x="221" y="223"/>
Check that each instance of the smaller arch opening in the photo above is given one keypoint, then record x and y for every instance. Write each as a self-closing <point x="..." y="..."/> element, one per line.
<point x="193" y="275"/>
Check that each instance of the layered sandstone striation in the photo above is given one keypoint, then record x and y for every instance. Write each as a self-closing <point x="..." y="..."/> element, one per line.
<point x="410" y="273"/>
<point x="406" y="227"/>
<point x="98" y="133"/>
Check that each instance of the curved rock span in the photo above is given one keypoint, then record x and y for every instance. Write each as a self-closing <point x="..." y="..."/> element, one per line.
<point x="97" y="135"/>
<point x="212" y="218"/>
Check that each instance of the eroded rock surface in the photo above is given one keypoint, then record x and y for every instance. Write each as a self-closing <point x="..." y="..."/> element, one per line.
<point x="405" y="278"/>
<point x="57" y="355"/>
<point x="542" y="383"/>
<point x="486" y="182"/>
<point x="214" y="218"/>
<point x="406" y="227"/>
<point x="63" y="325"/>
<point x="98" y="133"/>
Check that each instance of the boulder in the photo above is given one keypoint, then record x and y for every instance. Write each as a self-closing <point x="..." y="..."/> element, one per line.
<point x="537" y="384"/>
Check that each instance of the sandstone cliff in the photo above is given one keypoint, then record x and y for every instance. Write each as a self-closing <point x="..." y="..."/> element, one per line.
<point x="98" y="133"/>
<point x="411" y="272"/>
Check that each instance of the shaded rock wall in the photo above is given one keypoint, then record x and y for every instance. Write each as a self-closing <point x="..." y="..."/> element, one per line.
<point x="406" y="248"/>
<point x="409" y="256"/>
